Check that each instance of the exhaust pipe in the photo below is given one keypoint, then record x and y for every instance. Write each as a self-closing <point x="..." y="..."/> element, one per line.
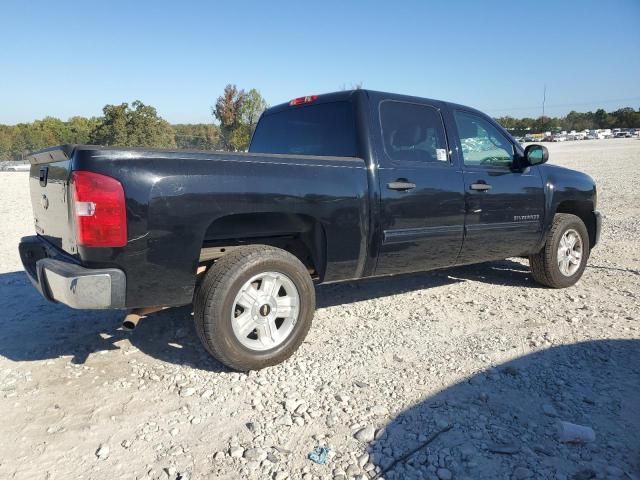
<point x="130" y="322"/>
<point x="132" y="318"/>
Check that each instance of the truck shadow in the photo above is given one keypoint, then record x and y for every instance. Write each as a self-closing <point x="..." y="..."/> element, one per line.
<point x="504" y="272"/>
<point x="503" y="422"/>
<point x="34" y="329"/>
<point x="615" y="269"/>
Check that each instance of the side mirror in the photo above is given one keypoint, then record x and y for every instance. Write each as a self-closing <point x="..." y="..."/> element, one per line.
<point x="535" y="155"/>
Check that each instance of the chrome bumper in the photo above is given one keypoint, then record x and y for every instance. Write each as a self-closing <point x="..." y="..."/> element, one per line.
<point x="60" y="279"/>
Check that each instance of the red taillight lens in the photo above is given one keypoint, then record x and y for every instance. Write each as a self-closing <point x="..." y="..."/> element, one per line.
<point x="99" y="210"/>
<point x="301" y="100"/>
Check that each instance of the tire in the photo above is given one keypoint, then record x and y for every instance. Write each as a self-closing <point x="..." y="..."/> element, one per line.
<point x="221" y="293"/>
<point x="545" y="266"/>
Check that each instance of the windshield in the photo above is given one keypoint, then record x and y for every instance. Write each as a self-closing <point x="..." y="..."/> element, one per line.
<point x="325" y="129"/>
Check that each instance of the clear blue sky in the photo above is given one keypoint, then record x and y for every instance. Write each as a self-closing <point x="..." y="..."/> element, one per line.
<point x="64" y="58"/>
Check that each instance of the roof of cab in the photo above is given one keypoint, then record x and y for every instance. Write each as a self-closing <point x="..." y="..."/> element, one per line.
<point x="346" y="95"/>
<point x="323" y="98"/>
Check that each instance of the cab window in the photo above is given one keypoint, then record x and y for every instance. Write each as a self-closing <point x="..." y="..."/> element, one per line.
<point x="324" y="129"/>
<point x="482" y="143"/>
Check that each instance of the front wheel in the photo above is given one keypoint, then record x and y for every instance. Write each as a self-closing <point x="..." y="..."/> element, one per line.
<point x="562" y="260"/>
<point x="254" y="307"/>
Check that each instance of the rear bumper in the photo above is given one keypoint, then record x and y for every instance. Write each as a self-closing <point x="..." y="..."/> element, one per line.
<point x="60" y="279"/>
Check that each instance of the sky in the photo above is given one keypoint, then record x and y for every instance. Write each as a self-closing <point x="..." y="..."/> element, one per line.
<point x="62" y="58"/>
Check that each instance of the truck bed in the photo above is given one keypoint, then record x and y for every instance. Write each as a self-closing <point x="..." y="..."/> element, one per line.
<point x="181" y="202"/>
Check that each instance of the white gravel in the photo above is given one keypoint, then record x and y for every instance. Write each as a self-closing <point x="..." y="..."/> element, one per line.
<point x="480" y="353"/>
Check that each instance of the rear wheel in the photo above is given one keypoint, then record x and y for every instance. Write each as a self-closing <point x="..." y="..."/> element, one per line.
<point x="254" y="307"/>
<point x="562" y="260"/>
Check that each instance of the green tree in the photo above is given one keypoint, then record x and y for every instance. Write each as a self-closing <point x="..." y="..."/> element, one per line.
<point x="227" y="111"/>
<point x="5" y="143"/>
<point x="250" y="110"/>
<point x="135" y="126"/>
<point x="601" y="119"/>
<point x="252" y="107"/>
<point x="198" y="136"/>
<point x="578" y="121"/>
<point x="30" y="137"/>
<point x="20" y="146"/>
<point x="112" y="129"/>
<point x="626" y="118"/>
<point x="79" y="129"/>
<point x="238" y="112"/>
<point x="508" y="122"/>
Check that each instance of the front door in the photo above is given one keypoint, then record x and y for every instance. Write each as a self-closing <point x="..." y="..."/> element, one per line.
<point x="504" y="205"/>
<point x="421" y="190"/>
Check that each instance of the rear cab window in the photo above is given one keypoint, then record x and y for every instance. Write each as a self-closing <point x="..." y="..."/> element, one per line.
<point x="322" y="129"/>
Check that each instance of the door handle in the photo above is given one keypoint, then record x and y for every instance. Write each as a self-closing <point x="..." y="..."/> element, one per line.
<point x="481" y="187"/>
<point x="401" y="185"/>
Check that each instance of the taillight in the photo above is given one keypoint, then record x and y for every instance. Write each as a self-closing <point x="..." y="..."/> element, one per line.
<point x="99" y="210"/>
<point x="301" y="100"/>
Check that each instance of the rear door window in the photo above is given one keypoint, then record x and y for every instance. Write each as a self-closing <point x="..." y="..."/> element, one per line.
<point x="325" y="129"/>
<point x="413" y="133"/>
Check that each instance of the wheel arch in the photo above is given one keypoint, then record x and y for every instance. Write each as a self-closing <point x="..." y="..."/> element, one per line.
<point x="299" y="234"/>
<point x="582" y="209"/>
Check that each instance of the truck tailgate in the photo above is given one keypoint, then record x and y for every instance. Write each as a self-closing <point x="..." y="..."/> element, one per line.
<point x="48" y="185"/>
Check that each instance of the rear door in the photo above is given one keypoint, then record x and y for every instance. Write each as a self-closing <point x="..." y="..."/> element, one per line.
<point x="504" y="205"/>
<point x="421" y="190"/>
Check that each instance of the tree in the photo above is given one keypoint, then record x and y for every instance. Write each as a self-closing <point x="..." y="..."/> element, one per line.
<point x="135" y="126"/>
<point x="250" y="110"/>
<point x="199" y="136"/>
<point x="252" y="107"/>
<point x="508" y="122"/>
<point x="601" y="119"/>
<point x="5" y="143"/>
<point x="578" y="121"/>
<point x="79" y="129"/>
<point x="51" y="131"/>
<point x="626" y="118"/>
<point x="19" y="145"/>
<point x="238" y="113"/>
<point x="112" y="129"/>
<point x="227" y="111"/>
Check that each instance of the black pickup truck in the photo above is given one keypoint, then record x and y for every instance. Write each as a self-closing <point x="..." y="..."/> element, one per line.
<point x="334" y="187"/>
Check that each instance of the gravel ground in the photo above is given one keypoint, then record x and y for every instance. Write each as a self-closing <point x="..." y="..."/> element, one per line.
<point x="480" y="354"/>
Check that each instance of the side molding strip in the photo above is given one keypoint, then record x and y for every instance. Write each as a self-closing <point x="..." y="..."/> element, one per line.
<point x="413" y="234"/>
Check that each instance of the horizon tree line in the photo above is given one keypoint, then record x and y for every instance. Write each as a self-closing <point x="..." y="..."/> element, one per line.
<point x="625" y="117"/>
<point x="235" y="115"/>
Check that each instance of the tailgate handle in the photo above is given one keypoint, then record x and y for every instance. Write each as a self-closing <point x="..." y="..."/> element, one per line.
<point x="44" y="173"/>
